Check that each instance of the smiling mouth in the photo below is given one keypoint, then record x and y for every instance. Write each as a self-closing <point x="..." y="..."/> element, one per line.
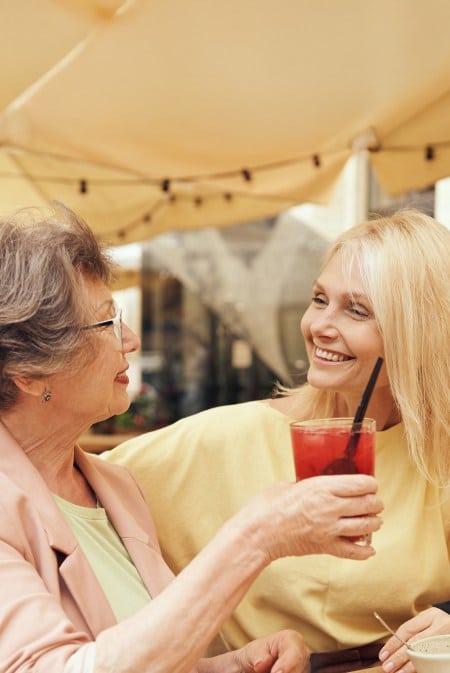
<point x="330" y="356"/>
<point x="122" y="376"/>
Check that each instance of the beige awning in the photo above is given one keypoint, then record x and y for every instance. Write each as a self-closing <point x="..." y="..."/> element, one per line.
<point x="170" y="114"/>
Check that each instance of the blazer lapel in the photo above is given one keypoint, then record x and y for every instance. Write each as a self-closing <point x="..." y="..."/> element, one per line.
<point x="129" y="513"/>
<point x="74" y="568"/>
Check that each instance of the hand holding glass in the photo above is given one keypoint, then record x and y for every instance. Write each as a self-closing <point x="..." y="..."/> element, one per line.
<point x="333" y="446"/>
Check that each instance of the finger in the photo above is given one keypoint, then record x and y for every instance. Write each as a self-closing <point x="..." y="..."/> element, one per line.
<point x="361" y="505"/>
<point x="352" y="550"/>
<point x="398" y="661"/>
<point x="427" y="623"/>
<point x="263" y="664"/>
<point x="390" y="647"/>
<point x="256" y="656"/>
<point x="346" y="485"/>
<point x="287" y="663"/>
<point x="359" y="525"/>
<point x="293" y="655"/>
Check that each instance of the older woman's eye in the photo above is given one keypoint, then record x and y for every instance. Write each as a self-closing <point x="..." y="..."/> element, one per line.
<point x="319" y="300"/>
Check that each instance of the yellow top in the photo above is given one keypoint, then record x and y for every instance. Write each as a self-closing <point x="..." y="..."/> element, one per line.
<point x="199" y="471"/>
<point x="108" y="557"/>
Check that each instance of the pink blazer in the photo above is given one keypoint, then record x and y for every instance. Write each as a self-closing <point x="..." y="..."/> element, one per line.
<point x="50" y="599"/>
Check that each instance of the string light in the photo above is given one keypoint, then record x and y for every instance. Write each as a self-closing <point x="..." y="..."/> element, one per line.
<point x="429" y="153"/>
<point x="168" y="186"/>
<point x="146" y="218"/>
<point x="150" y="216"/>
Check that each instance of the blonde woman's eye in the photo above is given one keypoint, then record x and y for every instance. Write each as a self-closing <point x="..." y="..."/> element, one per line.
<point x="318" y="300"/>
<point x="359" y="311"/>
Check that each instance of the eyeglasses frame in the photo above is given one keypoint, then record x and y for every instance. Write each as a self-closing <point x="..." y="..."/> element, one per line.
<point x="116" y="322"/>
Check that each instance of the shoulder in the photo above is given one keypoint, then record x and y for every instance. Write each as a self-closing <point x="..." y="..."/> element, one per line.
<point x="117" y="478"/>
<point x="20" y="520"/>
<point x="207" y="429"/>
<point x="233" y="439"/>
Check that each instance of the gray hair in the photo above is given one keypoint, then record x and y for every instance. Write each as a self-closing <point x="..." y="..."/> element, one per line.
<point x="44" y="256"/>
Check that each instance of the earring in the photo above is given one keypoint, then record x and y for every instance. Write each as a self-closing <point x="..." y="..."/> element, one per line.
<point x="46" y="395"/>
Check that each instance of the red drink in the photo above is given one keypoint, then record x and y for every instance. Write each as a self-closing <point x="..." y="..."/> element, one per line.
<point x="321" y="446"/>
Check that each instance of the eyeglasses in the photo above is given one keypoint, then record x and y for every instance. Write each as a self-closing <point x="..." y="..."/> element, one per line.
<point x="116" y="322"/>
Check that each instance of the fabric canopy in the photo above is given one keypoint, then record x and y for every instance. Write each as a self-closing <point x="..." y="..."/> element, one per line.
<point x="155" y="115"/>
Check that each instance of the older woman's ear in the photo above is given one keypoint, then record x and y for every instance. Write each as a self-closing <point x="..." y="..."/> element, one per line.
<point x="35" y="387"/>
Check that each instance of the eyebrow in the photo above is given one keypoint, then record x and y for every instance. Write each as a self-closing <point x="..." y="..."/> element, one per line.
<point x="358" y="296"/>
<point x="108" y="303"/>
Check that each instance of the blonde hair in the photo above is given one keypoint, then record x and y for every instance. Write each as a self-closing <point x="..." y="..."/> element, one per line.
<point x="404" y="263"/>
<point x="44" y="256"/>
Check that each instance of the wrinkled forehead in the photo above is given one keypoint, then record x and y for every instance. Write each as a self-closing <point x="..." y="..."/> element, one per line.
<point x="96" y="296"/>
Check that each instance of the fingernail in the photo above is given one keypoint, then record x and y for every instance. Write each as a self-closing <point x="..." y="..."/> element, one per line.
<point x="383" y="655"/>
<point x="388" y="667"/>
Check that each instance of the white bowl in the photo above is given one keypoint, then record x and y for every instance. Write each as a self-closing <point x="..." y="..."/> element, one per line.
<point x="431" y="655"/>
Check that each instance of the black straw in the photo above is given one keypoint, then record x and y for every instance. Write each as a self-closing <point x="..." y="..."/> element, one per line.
<point x="361" y="410"/>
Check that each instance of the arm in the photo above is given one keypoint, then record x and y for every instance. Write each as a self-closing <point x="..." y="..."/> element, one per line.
<point x="170" y="634"/>
<point x="431" y="622"/>
<point x="313" y="516"/>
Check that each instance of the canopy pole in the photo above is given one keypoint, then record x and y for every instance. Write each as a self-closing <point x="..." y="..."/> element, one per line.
<point x="354" y="191"/>
<point x="361" y="147"/>
<point x="361" y="176"/>
<point x="361" y="186"/>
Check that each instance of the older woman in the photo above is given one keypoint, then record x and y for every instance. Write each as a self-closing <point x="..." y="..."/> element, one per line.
<point x="384" y="289"/>
<point x="82" y="582"/>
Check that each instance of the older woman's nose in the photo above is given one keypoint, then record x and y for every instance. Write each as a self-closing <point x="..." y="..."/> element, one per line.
<point x="130" y="340"/>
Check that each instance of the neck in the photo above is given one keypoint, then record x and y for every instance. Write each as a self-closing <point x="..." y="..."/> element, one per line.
<point x="50" y="447"/>
<point x="382" y="407"/>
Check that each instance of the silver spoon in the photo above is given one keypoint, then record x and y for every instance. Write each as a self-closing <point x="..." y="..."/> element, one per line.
<point x="380" y="619"/>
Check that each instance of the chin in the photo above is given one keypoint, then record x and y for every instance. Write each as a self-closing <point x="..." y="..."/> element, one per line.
<point x="320" y="381"/>
<point x="118" y="406"/>
<point x="121" y="408"/>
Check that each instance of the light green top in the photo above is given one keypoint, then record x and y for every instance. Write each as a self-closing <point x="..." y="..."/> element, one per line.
<point x="199" y="471"/>
<point x="107" y="556"/>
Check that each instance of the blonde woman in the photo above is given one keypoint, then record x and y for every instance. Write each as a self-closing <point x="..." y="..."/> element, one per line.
<point x="384" y="290"/>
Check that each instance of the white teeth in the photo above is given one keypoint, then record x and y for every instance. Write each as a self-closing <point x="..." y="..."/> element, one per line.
<point x="332" y="357"/>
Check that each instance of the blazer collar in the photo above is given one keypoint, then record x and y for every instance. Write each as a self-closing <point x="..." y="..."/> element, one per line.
<point x="17" y="466"/>
<point x="87" y="593"/>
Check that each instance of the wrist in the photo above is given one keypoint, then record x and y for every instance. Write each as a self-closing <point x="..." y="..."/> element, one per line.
<point x="250" y="534"/>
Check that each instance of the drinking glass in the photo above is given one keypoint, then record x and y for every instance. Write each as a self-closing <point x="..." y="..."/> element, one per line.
<point x="333" y="446"/>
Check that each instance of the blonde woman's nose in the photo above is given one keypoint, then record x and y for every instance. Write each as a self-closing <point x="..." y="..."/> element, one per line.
<point x="323" y="324"/>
